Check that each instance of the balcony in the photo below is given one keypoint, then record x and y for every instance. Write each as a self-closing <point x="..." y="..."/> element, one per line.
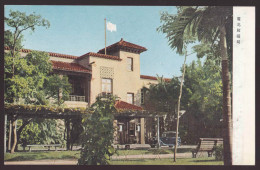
<point x="77" y="98"/>
<point x="76" y="101"/>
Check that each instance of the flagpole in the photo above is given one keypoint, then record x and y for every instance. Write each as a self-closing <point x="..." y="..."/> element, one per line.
<point x="105" y="38"/>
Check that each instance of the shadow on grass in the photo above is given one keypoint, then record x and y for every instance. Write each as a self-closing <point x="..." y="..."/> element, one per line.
<point x="128" y="160"/>
<point x="205" y="160"/>
<point x="22" y="158"/>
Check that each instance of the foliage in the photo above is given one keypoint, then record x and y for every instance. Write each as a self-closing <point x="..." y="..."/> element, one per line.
<point x="32" y="80"/>
<point x="162" y="96"/>
<point x="202" y="23"/>
<point x="97" y="137"/>
<point x="203" y="93"/>
<point x="14" y="108"/>
<point x="30" y="134"/>
<point x="42" y="132"/>
<point x="219" y="152"/>
<point x="213" y="25"/>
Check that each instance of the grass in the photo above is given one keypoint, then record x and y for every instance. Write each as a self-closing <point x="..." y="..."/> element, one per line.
<point x="181" y="161"/>
<point x="26" y="156"/>
<point x="152" y="151"/>
<point x="41" y="155"/>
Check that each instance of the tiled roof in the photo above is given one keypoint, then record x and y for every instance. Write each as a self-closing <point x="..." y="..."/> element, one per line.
<point x="121" y="105"/>
<point x="153" y="78"/>
<point x="69" y="67"/>
<point x="111" y="57"/>
<point x="123" y="43"/>
<point x="50" y="53"/>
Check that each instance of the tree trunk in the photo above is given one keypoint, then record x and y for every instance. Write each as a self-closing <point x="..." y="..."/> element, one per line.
<point x="227" y="120"/>
<point x="15" y="136"/>
<point x="178" y="108"/>
<point x="10" y="135"/>
<point x="21" y="128"/>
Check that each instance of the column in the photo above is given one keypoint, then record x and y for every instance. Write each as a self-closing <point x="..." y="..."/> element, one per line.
<point x="142" y="131"/>
<point x="5" y="134"/>
<point x="115" y="141"/>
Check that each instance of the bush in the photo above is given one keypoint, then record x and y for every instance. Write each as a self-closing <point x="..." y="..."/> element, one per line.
<point x="98" y="132"/>
<point x="219" y="152"/>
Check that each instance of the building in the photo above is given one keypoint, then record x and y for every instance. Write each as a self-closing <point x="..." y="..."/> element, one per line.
<point x="116" y="72"/>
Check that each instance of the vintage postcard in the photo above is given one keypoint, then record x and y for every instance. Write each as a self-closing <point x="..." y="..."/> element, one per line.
<point x="129" y="85"/>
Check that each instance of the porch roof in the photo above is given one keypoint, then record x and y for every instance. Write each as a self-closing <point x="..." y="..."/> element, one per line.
<point x="58" y="65"/>
<point x="121" y="105"/>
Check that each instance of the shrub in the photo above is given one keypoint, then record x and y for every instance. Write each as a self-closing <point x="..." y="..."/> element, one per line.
<point x="219" y="152"/>
<point x="98" y="132"/>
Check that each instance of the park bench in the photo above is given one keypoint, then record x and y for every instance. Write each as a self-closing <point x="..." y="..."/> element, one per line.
<point x="207" y="145"/>
<point x="49" y="146"/>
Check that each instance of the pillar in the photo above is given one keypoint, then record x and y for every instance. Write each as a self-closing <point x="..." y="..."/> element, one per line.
<point x="5" y="134"/>
<point x="142" y="131"/>
<point x="158" y="131"/>
<point x="68" y="133"/>
<point x="115" y="141"/>
<point x="10" y="135"/>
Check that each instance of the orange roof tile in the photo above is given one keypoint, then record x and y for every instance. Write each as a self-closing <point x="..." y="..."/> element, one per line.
<point x="123" y="43"/>
<point x="69" y="67"/>
<point x="101" y="56"/>
<point x="50" y="53"/>
<point x="121" y="105"/>
<point x="153" y="78"/>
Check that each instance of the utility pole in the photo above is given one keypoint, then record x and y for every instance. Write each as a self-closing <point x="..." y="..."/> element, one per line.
<point x="105" y="36"/>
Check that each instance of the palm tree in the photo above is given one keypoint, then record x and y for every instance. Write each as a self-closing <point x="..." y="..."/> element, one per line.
<point x="209" y="25"/>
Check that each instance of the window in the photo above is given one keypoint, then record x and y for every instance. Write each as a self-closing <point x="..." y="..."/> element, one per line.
<point x="106" y="85"/>
<point x="130" y="98"/>
<point x="129" y="64"/>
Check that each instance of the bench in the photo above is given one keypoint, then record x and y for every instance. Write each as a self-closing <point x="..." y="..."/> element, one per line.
<point x="49" y="146"/>
<point x="207" y="145"/>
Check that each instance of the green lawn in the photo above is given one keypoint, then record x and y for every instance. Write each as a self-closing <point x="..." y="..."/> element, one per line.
<point x="41" y="155"/>
<point x="181" y="161"/>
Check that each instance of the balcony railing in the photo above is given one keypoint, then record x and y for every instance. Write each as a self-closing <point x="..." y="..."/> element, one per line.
<point x="77" y="98"/>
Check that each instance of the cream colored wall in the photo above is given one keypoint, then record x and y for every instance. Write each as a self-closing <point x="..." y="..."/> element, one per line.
<point x="124" y="81"/>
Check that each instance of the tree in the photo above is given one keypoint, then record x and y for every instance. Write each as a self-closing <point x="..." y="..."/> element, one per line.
<point x="213" y="25"/>
<point x="20" y="22"/>
<point x="203" y="93"/>
<point x="28" y="79"/>
<point x="162" y="98"/>
<point x="98" y="132"/>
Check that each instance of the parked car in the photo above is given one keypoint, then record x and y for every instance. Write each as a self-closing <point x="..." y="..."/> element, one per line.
<point x="167" y="139"/>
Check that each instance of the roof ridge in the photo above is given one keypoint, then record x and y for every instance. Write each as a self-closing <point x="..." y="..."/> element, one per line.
<point x="53" y="54"/>
<point x="124" y="43"/>
<point x="153" y="77"/>
<point x="112" y="57"/>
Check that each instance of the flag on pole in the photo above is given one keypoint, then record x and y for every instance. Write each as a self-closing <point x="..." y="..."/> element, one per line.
<point x="111" y="27"/>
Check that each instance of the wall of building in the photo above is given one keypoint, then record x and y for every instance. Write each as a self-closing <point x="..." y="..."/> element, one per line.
<point x="124" y="81"/>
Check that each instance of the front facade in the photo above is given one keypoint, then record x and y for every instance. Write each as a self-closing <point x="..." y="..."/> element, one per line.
<point x="117" y="72"/>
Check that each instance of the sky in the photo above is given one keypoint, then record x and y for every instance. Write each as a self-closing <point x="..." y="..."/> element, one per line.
<point x="77" y="30"/>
